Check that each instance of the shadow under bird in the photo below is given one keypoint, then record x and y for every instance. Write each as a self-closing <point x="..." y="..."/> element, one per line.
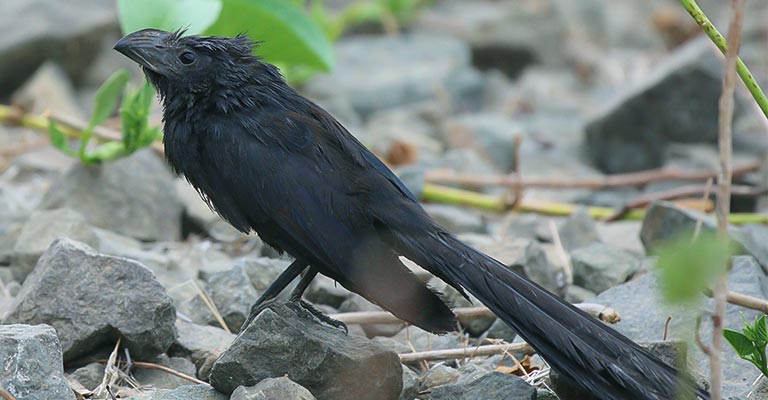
<point x="271" y="161"/>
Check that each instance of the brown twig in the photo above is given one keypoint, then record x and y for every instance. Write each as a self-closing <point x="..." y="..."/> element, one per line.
<point x="465" y="314"/>
<point x="704" y="348"/>
<point x="744" y="300"/>
<point x="609" y="181"/>
<point x="5" y="395"/>
<point x="473" y="351"/>
<point x="666" y="327"/>
<point x="724" y="190"/>
<point x="681" y="192"/>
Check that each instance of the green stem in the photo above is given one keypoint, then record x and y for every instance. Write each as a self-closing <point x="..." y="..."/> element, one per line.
<point x="719" y="41"/>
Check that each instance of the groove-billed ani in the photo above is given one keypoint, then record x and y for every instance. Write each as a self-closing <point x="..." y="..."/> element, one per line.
<point x="271" y="161"/>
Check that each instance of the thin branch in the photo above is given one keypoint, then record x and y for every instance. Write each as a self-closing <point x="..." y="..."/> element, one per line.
<point x="683" y="192"/>
<point x="473" y="351"/>
<point x="608" y="181"/>
<point x="149" y="365"/>
<point x="5" y="395"/>
<point x="744" y="300"/>
<point x="724" y="190"/>
<point x="466" y="314"/>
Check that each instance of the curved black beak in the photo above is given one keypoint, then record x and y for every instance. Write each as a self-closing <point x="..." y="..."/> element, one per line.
<point x="146" y="47"/>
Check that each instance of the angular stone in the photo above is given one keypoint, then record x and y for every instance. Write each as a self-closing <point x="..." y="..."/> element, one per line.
<point x="232" y="293"/>
<point x="438" y="375"/>
<point x="678" y="102"/>
<point x="492" y="136"/>
<point x="30" y="363"/>
<point x="599" y="267"/>
<point x="410" y="384"/>
<point x="370" y="72"/>
<point x="158" y="379"/>
<point x="90" y="298"/>
<point x="578" y="230"/>
<point x="325" y="290"/>
<point x="643" y="316"/>
<point x="492" y="386"/>
<point x="189" y="392"/>
<point x="273" y="388"/>
<point x="49" y="89"/>
<point x="287" y="340"/>
<point x="89" y="376"/>
<point x="201" y="343"/>
<point x="43" y="228"/>
<point x="129" y="196"/>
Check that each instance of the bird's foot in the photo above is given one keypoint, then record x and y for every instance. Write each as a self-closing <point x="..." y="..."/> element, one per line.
<point x="322" y="316"/>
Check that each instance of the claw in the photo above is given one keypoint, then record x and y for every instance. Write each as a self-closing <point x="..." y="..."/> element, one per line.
<point x="323" y="317"/>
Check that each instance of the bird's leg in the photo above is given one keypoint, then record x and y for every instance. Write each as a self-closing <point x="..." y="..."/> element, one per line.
<point x="274" y="289"/>
<point x="299" y="290"/>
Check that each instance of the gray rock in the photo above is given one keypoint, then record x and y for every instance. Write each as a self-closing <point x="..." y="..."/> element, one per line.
<point x="453" y="298"/>
<point x="358" y="303"/>
<point x="578" y="230"/>
<point x="407" y="125"/>
<point x="287" y="340"/>
<point x="30" y="363"/>
<point x="200" y="343"/>
<point x="643" y="317"/>
<point x="42" y="229"/>
<point x="49" y="89"/>
<point x="89" y="376"/>
<point x="503" y="35"/>
<point x="678" y="102"/>
<point x="456" y="219"/>
<point x="158" y="379"/>
<point x="262" y="271"/>
<point x="664" y="222"/>
<point x="438" y="375"/>
<point x="500" y="330"/>
<point x="38" y="30"/>
<point x="410" y="385"/>
<point x="492" y="386"/>
<point x="622" y="234"/>
<point x="370" y="73"/>
<point x="324" y="290"/>
<point x="189" y="392"/>
<point x="577" y="294"/>
<point x="599" y="267"/>
<point x="89" y="298"/>
<point x="421" y="340"/>
<point x="526" y="257"/>
<point x="129" y="196"/>
<point x="273" y="389"/>
<point x="232" y="293"/>
<point x="492" y="136"/>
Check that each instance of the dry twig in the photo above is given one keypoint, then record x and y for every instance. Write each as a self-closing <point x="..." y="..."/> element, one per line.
<point x="465" y="314"/>
<point x="473" y="351"/>
<point x="5" y="395"/>
<point x="724" y="190"/>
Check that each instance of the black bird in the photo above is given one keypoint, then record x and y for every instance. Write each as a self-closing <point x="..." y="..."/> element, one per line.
<point x="271" y="161"/>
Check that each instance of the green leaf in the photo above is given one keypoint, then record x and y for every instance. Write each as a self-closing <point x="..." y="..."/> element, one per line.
<point x="106" y="97"/>
<point x="193" y="15"/>
<point x="107" y="152"/>
<point x="743" y="346"/>
<point x="688" y="267"/>
<point x="288" y="33"/>
<point x="135" y="119"/>
<point x="59" y="139"/>
<point x="760" y="331"/>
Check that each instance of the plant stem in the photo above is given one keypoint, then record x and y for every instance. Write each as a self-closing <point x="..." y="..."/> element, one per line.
<point x="724" y="188"/>
<point x="721" y="43"/>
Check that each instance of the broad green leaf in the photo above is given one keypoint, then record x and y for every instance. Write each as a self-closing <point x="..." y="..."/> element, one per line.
<point x="687" y="268"/>
<point x="743" y="346"/>
<point x="106" y="97"/>
<point x="135" y="118"/>
<point x="59" y="139"/>
<point x="107" y="152"/>
<point x="288" y="34"/>
<point x="193" y="15"/>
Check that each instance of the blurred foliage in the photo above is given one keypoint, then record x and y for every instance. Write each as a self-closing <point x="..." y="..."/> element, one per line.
<point x="136" y="132"/>
<point x="295" y="35"/>
<point x="751" y="342"/>
<point x="689" y="266"/>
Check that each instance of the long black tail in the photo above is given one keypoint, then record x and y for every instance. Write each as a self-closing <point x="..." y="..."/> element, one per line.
<point x="593" y="355"/>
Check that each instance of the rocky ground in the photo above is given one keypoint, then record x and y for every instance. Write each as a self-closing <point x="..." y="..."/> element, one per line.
<point x="125" y="253"/>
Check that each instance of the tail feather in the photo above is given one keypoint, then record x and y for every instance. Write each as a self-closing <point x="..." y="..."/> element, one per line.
<point x="578" y="346"/>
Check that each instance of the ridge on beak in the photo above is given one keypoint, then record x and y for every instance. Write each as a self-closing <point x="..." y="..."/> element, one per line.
<point x="146" y="47"/>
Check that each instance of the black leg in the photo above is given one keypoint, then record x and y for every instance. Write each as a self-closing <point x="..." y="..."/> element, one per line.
<point x="274" y="289"/>
<point x="298" y="291"/>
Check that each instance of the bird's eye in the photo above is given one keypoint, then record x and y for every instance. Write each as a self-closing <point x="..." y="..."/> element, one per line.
<point x="187" y="57"/>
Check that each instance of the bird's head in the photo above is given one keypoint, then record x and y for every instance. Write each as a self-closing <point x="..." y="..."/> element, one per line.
<point x="199" y="65"/>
